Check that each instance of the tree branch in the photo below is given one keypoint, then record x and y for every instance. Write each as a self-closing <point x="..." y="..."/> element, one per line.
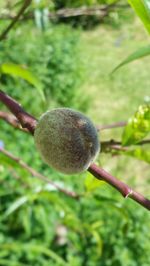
<point x="124" y="189"/>
<point x="25" y="119"/>
<point x="16" y="18"/>
<point x="38" y="175"/>
<point x="10" y="119"/>
<point x="29" y="122"/>
<point x="113" y="125"/>
<point x="99" y="10"/>
<point x="112" y="144"/>
<point x="105" y="145"/>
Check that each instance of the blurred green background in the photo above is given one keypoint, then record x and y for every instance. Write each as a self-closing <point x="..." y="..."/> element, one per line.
<point x="72" y="59"/>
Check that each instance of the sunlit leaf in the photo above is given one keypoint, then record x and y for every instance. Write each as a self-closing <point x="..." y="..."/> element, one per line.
<point x="91" y="183"/>
<point x="7" y="161"/>
<point x="142" y="52"/>
<point x="99" y="241"/>
<point x="140" y="153"/>
<point x="15" y="205"/>
<point x="138" y="126"/>
<point x="8" y="262"/>
<point x="24" y="73"/>
<point x="142" y="9"/>
<point x="48" y="252"/>
<point x="96" y="224"/>
<point x="111" y="202"/>
<point x="37" y="249"/>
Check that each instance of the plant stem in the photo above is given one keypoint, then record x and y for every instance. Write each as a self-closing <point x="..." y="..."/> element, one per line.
<point x="29" y="122"/>
<point x="109" y="126"/>
<point x="25" y="119"/>
<point x="16" y="18"/>
<point x="37" y="174"/>
<point x="124" y="189"/>
<point x="11" y="119"/>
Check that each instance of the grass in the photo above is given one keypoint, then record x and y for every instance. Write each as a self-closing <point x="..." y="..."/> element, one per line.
<point x="116" y="98"/>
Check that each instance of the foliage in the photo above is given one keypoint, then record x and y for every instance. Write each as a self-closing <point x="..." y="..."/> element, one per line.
<point x="142" y="8"/>
<point x="19" y="71"/>
<point x="142" y="52"/>
<point x="61" y="4"/>
<point x="38" y="225"/>
<point x="142" y="154"/>
<point x="88" y="22"/>
<point x="41" y="8"/>
<point x="138" y="126"/>
<point x="57" y="53"/>
<point x="41" y="227"/>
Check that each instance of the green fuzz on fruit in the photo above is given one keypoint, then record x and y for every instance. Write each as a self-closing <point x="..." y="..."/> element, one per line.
<point x="67" y="140"/>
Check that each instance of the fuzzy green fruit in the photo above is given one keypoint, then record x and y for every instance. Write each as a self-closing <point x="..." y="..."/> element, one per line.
<point x="67" y="140"/>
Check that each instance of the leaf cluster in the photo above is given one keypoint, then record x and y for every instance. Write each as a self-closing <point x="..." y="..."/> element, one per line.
<point x="54" y="58"/>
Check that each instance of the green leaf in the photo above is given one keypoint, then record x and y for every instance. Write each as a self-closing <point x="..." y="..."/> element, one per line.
<point x="91" y="183"/>
<point x="7" y="262"/>
<point x="99" y="242"/>
<point x="142" y="52"/>
<point x="35" y="249"/>
<point x="142" y="9"/>
<point x="24" y="73"/>
<point x="15" y="205"/>
<point x="113" y="203"/>
<point x="140" y="153"/>
<point x="138" y="126"/>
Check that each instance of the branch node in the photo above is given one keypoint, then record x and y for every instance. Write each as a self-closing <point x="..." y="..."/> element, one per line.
<point x="129" y="193"/>
<point x="28" y="121"/>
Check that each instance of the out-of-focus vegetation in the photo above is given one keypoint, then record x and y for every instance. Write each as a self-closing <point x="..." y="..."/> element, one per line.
<point x="54" y="57"/>
<point x="39" y="225"/>
<point x="88" y="22"/>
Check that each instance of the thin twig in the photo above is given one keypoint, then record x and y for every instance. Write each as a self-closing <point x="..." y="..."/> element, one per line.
<point x="113" y="144"/>
<point x="113" y="125"/>
<point x="25" y="119"/>
<point x="30" y="122"/>
<point x="124" y="189"/>
<point x="10" y="26"/>
<point x="105" y="145"/>
<point x="99" y="10"/>
<point x="11" y="119"/>
<point x="37" y="174"/>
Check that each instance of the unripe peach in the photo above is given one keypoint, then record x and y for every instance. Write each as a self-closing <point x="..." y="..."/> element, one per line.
<point x="67" y="140"/>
